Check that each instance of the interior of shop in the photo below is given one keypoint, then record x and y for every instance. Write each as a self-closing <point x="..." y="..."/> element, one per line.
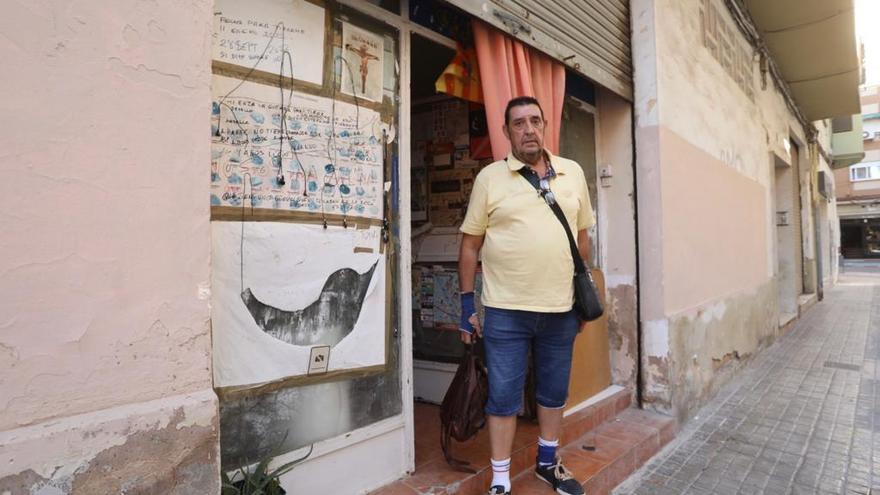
<point x="860" y="238"/>
<point x="450" y="144"/>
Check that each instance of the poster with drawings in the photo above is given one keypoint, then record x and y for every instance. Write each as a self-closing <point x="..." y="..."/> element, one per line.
<point x="256" y="34"/>
<point x="281" y="289"/>
<point x="363" y="53"/>
<point x="326" y="158"/>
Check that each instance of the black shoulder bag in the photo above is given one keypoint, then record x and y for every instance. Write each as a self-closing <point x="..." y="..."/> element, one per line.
<point x="587" y="304"/>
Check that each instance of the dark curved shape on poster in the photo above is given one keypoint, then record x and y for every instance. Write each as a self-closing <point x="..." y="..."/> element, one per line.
<point x="325" y="321"/>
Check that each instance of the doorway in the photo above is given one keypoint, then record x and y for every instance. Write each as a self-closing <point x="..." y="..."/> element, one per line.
<point x="591" y="368"/>
<point x="449" y="146"/>
<point x="787" y="242"/>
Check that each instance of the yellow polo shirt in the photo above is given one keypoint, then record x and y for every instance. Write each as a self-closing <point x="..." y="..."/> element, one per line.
<point x="526" y="258"/>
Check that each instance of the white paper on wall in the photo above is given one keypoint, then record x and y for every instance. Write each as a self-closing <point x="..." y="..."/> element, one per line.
<point x="300" y="286"/>
<point x="330" y="155"/>
<point x="363" y="69"/>
<point x="255" y="34"/>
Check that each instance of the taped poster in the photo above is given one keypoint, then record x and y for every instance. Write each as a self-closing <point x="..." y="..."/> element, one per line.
<point x="326" y="158"/>
<point x="280" y="289"/>
<point x="363" y="64"/>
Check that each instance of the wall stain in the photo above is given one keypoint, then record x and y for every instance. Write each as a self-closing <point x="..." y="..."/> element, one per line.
<point x="622" y="338"/>
<point x="708" y="347"/>
<point x="172" y="460"/>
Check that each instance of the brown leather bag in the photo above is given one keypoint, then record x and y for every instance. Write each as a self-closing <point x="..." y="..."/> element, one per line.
<point x="462" y="412"/>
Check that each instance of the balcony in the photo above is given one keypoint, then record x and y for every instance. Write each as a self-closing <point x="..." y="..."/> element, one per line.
<point x="847" y="145"/>
<point x="814" y="44"/>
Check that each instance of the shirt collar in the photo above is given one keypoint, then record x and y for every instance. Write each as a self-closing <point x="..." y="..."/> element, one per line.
<point x="514" y="164"/>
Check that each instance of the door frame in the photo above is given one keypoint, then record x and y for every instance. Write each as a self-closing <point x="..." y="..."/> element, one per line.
<point x="405" y="29"/>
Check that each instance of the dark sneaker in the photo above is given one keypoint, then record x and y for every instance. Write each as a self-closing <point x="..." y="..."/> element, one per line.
<point x="497" y="490"/>
<point x="559" y="478"/>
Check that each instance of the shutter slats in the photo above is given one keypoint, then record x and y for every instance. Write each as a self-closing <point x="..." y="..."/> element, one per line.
<point x="597" y="30"/>
<point x="610" y="54"/>
<point x="567" y="11"/>
<point x="591" y="35"/>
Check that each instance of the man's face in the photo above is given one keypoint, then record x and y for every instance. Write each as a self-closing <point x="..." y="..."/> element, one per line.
<point x="525" y="130"/>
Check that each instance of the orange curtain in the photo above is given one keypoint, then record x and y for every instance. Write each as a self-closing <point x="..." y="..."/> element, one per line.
<point x="509" y="69"/>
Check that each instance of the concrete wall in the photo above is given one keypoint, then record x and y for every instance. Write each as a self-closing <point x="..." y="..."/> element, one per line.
<point x="104" y="261"/>
<point x="707" y="143"/>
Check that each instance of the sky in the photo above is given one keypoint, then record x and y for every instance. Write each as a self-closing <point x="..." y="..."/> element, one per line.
<point x="868" y="31"/>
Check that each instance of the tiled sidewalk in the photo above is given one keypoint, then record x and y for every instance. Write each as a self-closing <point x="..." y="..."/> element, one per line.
<point x="802" y="418"/>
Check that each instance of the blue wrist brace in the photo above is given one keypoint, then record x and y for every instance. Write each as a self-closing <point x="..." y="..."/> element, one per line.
<point x="467" y="310"/>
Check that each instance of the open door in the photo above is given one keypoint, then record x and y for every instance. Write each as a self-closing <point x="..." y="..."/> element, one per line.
<point x="590" y="368"/>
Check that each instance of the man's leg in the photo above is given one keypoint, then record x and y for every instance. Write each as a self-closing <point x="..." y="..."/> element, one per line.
<point x="553" y="347"/>
<point x="502" y="429"/>
<point x="506" y="338"/>
<point x="550" y="422"/>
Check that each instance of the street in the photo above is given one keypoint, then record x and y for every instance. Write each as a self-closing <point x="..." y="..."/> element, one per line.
<point x="801" y="418"/>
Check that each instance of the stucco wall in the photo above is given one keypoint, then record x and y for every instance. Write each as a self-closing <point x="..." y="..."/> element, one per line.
<point x="707" y="232"/>
<point x="104" y="261"/>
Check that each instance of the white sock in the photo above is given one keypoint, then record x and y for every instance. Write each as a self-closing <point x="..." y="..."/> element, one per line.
<point x="501" y="473"/>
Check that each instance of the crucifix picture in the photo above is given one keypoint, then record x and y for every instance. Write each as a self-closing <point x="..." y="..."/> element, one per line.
<point x="363" y="63"/>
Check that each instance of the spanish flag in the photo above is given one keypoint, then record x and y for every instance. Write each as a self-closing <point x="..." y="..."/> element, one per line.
<point x="461" y="78"/>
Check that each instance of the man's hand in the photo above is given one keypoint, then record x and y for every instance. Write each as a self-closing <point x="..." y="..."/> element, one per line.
<point x="470" y="322"/>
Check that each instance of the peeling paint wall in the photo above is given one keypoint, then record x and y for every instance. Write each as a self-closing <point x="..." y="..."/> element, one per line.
<point x="104" y="261"/>
<point x="706" y="137"/>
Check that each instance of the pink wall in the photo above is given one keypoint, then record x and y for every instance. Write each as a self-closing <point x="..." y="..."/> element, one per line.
<point x="714" y="220"/>
<point x="104" y="257"/>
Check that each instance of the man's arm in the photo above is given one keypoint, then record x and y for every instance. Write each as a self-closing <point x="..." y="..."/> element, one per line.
<point x="467" y="269"/>
<point x="584" y="246"/>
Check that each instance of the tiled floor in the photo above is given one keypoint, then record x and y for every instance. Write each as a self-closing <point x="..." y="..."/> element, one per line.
<point x="621" y="439"/>
<point x="803" y="417"/>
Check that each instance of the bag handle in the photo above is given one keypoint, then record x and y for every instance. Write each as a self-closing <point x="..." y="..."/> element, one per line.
<point x="579" y="266"/>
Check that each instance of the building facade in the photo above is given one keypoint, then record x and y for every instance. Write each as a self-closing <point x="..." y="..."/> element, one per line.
<point x="245" y="246"/>
<point x="858" y="187"/>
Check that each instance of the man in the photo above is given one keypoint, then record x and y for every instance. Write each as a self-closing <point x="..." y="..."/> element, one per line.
<point x="527" y="287"/>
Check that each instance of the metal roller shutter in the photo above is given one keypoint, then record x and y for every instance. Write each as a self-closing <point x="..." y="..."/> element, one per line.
<point x="796" y="220"/>
<point x="591" y="37"/>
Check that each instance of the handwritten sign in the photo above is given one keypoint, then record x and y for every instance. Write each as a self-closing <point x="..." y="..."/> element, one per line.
<point x="327" y="159"/>
<point x="256" y="34"/>
<point x="367" y="240"/>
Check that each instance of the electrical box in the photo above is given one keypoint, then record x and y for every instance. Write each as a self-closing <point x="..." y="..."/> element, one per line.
<point x="781" y="218"/>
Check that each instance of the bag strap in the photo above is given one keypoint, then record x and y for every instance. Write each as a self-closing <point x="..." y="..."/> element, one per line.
<point x="579" y="266"/>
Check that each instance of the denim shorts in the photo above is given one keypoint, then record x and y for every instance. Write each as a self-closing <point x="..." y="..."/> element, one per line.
<point x="507" y="335"/>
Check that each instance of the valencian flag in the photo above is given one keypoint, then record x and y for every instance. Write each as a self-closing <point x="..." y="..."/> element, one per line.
<point x="461" y="78"/>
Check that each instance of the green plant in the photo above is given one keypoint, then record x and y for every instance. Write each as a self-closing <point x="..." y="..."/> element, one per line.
<point x="259" y="480"/>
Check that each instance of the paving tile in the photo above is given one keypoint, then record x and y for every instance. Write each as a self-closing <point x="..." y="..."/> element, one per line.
<point x="787" y="423"/>
<point x="434" y="477"/>
<point x="398" y="488"/>
<point x="583" y="467"/>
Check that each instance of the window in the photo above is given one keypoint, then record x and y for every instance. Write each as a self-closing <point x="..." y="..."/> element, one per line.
<point x="841" y="124"/>
<point x="864" y="171"/>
